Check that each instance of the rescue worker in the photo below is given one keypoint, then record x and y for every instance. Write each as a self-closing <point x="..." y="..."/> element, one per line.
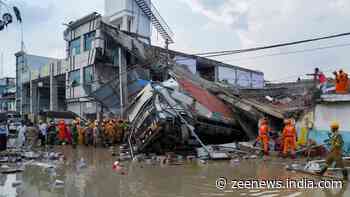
<point x="289" y="136"/>
<point x="62" y="132"/>
<point x="336" y="150"/>
<point x="341" y="82"/>
<point x="109" y="129"/>
<point x="264" y="135"/>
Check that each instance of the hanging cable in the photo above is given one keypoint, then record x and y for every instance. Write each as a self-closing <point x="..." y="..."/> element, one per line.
<point x="289" y="52"/>
<point x="230" y="52"/>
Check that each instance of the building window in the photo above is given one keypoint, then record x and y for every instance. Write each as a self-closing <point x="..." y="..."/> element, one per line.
<point x="74" y="47"/>
<point x="88" y="74"/>
<point x="74" y="78"/>
<point x="88" y="38"/>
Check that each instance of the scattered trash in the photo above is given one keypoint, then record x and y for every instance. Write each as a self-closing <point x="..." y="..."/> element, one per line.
<point x="58" y="183"/>
<point x="312" y="166"/>
<point x="201" y="161"/>
<point x="253" y="157"/>
<point x="116" y="166"/>
<point x="234" y="162"/>
<point x="81" y="164"/>
<point x="42" y="165"/>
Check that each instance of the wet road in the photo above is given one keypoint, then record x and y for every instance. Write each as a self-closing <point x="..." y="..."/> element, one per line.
<point x="97" y="179"/>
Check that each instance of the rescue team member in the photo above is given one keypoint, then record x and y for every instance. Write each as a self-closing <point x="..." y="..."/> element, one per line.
<point x="264" y="135"/>
<point x="336" y="150"/>
<point x="289" y="136"/>
<point x="341" y="82"/>
<point x="62" y="131"/>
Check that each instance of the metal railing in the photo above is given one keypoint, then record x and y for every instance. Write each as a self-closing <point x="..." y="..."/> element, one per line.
<point x="157" y="20"/>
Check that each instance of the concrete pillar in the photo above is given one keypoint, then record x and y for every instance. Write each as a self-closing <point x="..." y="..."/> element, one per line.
<point x="53" y="90"/>
<point x="33" y="98"/>
<point x="123" y="83"/>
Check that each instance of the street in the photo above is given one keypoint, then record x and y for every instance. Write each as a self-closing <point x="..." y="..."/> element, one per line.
<point x="96" y="178"/>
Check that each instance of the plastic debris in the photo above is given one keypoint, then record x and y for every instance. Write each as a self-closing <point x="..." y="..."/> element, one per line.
<point x="234" y="161"/>
<point x="82" y="163"/>
<point x="58" y="183"/>
<point x="117" y="166"/>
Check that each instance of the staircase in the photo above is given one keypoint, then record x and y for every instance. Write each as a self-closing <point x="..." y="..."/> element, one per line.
<point x="157" y="20"/>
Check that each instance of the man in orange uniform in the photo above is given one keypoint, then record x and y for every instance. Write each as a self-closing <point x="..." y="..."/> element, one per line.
<point x="264" y="135"/>
<point x="341" y="79"/>
<point x="289" y="136"/>
<point x="62" y="131"/>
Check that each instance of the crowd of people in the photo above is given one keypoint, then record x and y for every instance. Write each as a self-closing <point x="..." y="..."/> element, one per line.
<point x="76" y="132"/>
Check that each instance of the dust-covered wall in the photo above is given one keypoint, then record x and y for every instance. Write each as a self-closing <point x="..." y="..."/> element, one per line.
<point x="326" y="113"/>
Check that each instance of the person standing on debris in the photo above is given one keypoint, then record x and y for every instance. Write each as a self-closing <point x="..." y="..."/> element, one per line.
<point x="336" y="150"/>
<point x="3" y="136"/>
<point x="320" y="79"/>
<point x="43" y="132"/>
<point x="289" y="136"/>
<point x="341" y="82"/>
<point x="264" y="135"/>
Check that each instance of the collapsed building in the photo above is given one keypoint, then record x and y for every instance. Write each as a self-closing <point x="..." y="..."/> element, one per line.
<point x="170" y="98"/>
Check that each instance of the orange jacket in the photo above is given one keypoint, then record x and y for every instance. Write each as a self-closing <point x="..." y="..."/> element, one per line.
<point x="341" y="85"/>
<point x="62" y="130"/>
<point x="264" y="130"/>
<point x="289" y="131"/>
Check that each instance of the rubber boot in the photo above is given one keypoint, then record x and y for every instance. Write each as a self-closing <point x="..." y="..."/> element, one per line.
<point x="345" y="175"/>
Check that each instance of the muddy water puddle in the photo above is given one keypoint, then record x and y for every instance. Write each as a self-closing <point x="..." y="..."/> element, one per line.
<point x="87" y="172"/>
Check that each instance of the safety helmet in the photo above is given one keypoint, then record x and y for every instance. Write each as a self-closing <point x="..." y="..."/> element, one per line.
<point x="335" y="125"/>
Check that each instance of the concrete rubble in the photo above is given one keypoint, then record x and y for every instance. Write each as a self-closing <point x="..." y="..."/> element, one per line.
<point x="170" y="109"/>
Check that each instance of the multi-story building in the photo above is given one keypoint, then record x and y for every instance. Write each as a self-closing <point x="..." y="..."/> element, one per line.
<point x="40" y="84"/>
<point x="100" y="50"/>
<point x="7" y="94"/>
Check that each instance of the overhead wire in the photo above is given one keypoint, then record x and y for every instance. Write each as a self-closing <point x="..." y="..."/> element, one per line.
<point x="289" y="52"/>
<point x="230" y="52"/>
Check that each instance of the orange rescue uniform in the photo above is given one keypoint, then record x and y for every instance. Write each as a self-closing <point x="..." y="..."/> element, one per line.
<point x="289" y="139"/>
<point x="264" y="136"/>
<point x="341" y="86"/>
